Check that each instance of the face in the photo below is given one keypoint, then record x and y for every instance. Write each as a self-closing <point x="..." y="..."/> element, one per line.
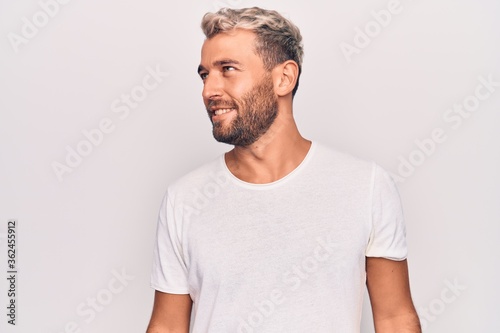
<point x="238" y="92"/>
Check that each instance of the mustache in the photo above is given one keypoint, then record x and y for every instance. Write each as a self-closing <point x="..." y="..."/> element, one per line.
<point x="218" y="103"/>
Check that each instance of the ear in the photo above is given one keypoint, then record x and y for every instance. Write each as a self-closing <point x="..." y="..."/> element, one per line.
<point x="285" y="77"/>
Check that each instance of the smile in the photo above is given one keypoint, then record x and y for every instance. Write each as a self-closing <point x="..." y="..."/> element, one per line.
<point x="222" y="111"/>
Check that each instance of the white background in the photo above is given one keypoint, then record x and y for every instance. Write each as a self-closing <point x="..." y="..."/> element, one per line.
<point x="100" y="219"/>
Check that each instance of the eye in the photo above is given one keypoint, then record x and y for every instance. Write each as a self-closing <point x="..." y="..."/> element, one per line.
<point x="228" y="68"/>
<point x="203" y="76"/>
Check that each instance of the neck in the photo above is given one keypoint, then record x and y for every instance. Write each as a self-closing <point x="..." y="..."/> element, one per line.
<point x="277" y="153"/>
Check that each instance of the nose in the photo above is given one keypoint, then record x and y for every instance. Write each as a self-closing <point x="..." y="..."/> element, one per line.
<point x="212" y="87"/>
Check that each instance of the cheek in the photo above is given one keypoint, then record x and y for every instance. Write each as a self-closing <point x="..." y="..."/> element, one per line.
<point x="236" y="92"/>
<point x="237" y="86"/>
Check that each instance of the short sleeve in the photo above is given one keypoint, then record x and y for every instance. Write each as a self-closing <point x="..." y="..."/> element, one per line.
<point x="388" y="233"/>
<point x="169" y="272"/>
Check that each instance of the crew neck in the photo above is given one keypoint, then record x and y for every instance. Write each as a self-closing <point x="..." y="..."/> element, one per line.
<point x="275" y="183"/>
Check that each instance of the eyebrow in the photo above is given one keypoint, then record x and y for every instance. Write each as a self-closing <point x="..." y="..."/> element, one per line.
<point x="219" y="63"/>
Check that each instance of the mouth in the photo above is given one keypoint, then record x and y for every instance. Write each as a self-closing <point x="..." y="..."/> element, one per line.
<point x="218" y="112"/>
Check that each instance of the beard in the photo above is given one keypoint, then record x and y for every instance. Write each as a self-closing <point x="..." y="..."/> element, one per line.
<point x="256" y="112"/>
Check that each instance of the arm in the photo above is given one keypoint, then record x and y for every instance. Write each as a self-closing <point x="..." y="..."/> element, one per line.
<point x="171" y="313"/>
<point x="389" y="290"/>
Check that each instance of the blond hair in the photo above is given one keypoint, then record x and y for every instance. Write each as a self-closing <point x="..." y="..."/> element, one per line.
<point x="278" y="39"/>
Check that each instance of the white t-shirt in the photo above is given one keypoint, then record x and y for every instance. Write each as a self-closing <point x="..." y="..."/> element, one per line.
<point x="287" y="256"/>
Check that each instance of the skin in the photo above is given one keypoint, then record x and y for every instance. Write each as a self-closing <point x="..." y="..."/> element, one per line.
<point x="230" y="68"/>
<point x="254" y="113"/>
<point x="171" y="313"/>
<point x="389" y="289"/>
<point x="281" y="148"/>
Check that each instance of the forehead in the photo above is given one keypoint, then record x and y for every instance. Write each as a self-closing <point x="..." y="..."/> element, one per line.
<point x="237" y="44"/>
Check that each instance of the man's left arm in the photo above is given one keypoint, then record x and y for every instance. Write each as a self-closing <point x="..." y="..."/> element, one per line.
<point x="389" y="289"/>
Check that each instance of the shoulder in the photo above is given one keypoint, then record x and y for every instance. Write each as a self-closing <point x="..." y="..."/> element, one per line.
<point x="343" y="163"/>
<point x="204" y="178"/>
<point x="348" y="166"/>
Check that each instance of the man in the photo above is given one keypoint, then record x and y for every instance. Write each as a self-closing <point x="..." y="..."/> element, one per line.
<point x="280" y="234"/>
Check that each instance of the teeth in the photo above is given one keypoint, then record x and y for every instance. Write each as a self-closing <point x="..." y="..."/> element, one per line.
<point x="222" y="111"/>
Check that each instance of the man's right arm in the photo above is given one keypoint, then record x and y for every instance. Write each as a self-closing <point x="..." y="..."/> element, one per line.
<point x="171" y="313"/>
